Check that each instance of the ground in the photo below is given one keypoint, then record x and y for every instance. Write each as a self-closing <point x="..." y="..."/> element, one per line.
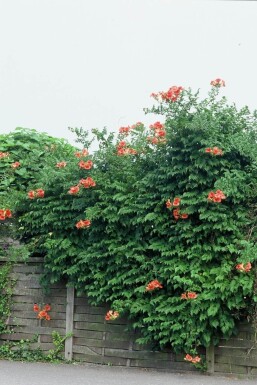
<point x="20" y="373"/>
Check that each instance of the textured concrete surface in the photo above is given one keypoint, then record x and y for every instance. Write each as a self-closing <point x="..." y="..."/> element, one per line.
<point x="19" y="373"/>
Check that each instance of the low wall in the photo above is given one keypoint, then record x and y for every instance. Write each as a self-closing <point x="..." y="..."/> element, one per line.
<point x="95" y="340"/>
<point x="237" y="355"/>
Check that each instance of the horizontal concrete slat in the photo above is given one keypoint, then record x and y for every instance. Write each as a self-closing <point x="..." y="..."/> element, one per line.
<point x="136" y="354"/>
<point x="27" y="298"/>
<point x="167" y="365"/>
<point x="80" y="341"/>
<point x="32" y="315"/>
<point x="235" y="360"/>
<point x="38" y="269"/>
<point x="100" y="359"/>
<point x="16" y="336"/>
<point x="27" y="292"/>
<point x="88" y="334"/>
<point x="28" y="306"/>
<point x="39" y="330"/>
<point x="113" y="336"/>
<point x="239" y="352"/>
<point x="89" y="318"/>
<point x="89" y="309"/>
<point x="87" y="350"/>
<point x="230" y="369"/>
<point x="240" y="343"/>
<point x="22" y="321"/>
<point x="100" y="327"/>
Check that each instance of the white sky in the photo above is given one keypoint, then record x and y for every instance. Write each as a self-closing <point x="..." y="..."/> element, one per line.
<point x="94" y="63"/>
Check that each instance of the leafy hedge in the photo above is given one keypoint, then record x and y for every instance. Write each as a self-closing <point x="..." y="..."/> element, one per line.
<point x="172" y="213"/>
<point x="22" y="155"/>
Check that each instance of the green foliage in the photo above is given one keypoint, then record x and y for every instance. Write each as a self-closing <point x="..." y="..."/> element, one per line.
<point x="5" y="295"/>
<point x="58" y="341"/>
<point x="30" y="350"/>
<point x="21" y="351"/>
<point x="9" y="254"/>
<point x="30" y="149"/>
<point x="134" y="238"/>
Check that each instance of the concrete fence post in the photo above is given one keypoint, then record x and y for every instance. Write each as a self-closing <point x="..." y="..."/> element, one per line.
<point x="210" y="359"/>
<point x="69" y="322"/>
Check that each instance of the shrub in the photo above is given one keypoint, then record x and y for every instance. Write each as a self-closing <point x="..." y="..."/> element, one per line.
<point x="170" y="215"/>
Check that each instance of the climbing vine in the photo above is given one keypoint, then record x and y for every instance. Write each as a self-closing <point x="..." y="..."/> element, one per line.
<point x="159" y="222"/>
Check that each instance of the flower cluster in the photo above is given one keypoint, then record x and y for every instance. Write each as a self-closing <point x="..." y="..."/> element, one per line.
<point x="244" y="267"/>
<point x="15" y="164"/>
<point x="4" y="154"/>
<point x="88" y="182"/>
<point x="80" y="154"/>
<point x="83" y="224"/>
<point x="73" y="190"/>
<point x="5" y="213"/>
<point x="175" y="203"/>
<point x="111" y="315"/>
<point x="193" y="360"/>
<point x="122" y="149"/>
<point x="39" y="193"/>
<point x="189" y="295"/>
<point x="216" y="196"/>
<point x="155" y="284"/>
<point x="86" y="165"/>
<point x="61" y="164"/>
<point x="218" y="83"/>
<point x="171" y="95"/>
<point x="42" y="313"/>
<point x="214" y="151"/>
<point x="176" y="213"/>
<point x="125" y="130"/>
<point x="158" y="127"/>
<point x="159" y="133"/>
<point x="138" y="124"/>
